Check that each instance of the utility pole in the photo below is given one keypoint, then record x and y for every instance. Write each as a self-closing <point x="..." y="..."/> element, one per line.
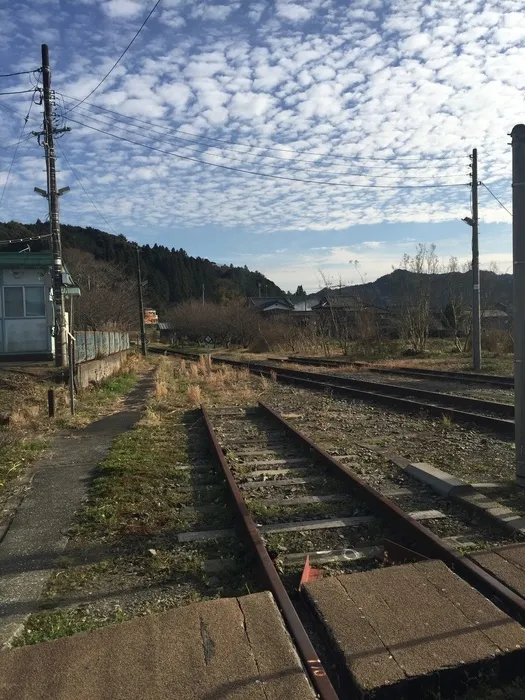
<point x="141" y="306"/>
<point x="518" y="254"/>
<point x="260" y="290"/>
<point x="476" y="310"/>
<point x="52" y="195"/>
<point x="203" y="294"/>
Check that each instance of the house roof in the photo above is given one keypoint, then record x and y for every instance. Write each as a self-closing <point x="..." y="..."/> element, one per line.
<point x="264" y="303"/>
<point x="338" y="302"/>
<point x="17" y="260"/>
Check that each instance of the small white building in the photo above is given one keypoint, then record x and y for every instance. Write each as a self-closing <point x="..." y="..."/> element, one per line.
<point x="26" y="308"/>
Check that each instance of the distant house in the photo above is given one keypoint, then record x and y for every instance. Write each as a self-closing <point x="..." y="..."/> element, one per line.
<point x="495" y="319"/>
<point x="352" y="311"/>
<point x="271" y="305"/>
<point x="166" y="332"/>
<point x="26" y="305"/>
<point x="150" y="316"/>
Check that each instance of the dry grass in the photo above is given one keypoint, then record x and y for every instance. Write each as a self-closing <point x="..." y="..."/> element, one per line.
<point x="186" y="383"/>
<point x="194" y="395"/>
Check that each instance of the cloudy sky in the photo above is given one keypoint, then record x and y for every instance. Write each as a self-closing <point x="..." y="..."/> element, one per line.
<point x="343" y="128"/>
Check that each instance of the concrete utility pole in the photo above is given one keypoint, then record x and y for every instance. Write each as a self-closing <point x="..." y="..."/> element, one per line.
<point x="518" y="254"/>
<point x="142" y="325"/>
<point x="476" y="307"/>
<point x="52" y="196"/>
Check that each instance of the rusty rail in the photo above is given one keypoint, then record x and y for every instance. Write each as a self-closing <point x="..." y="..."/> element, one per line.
<point x="426" y="542"/>
<point x="272" y="580"/>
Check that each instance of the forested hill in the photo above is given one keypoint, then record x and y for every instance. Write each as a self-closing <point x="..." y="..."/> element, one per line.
<point x="172" y="275"/>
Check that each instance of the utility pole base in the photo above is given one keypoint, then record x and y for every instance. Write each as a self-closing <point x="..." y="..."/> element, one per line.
<point x="520" y="481"/>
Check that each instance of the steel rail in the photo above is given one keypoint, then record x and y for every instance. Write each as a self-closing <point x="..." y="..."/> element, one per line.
<point x="499" y="425"/>
<point x="271" y="577"/>
<point x="385" y="394"/>
<point x="467" y="377"/>
<point x="468" y="402"/>
<point x="424" y="540"/>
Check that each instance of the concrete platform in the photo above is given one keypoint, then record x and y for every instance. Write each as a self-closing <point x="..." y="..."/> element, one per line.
<point x="507" y="563"/>
<point x="414" y="630"/>
<point x="226" y="649"/>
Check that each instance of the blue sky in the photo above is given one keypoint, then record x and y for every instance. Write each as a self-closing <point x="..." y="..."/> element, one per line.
<point x="391" y="95"/>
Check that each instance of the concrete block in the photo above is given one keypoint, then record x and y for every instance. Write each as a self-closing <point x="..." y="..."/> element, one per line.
<point x="440" y="481"/>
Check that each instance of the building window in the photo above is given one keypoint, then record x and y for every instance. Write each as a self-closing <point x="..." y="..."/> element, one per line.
<point x="35" y="304"/>
<point x="14" y="302"/>
<point x="20" y="302"/>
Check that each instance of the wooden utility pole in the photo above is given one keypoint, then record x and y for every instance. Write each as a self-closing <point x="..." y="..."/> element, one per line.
<point x="476" y="307"/>
<point x="142" y="325"/>
<point x="203" y="294"/>
<point x="518" y="255"/>
<point x="52" y="196"/>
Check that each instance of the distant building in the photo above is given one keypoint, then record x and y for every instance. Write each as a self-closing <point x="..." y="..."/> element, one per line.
<point x="150" y="316"/>
<point x="353" y="312"/>
<point x="271" y="305"/>
<point x="26" y="305"/>
<point x="166" y="332"/>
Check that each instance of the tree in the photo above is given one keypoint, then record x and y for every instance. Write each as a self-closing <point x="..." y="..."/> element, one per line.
<point x="415" y="301"/>
<point x="109" y="299"/>
<point x="300" y="293"/>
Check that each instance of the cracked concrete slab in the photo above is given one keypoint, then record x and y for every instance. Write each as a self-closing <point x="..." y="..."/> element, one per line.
<point x="413" y="627"/>
<point x="226" y="649"/>
<point x="38" y="533"/>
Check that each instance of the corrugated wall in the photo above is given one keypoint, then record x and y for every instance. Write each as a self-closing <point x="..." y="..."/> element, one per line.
<point x="91" y="345"/>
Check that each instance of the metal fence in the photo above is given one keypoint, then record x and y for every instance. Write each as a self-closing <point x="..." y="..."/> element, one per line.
<point x="91" y="345"/>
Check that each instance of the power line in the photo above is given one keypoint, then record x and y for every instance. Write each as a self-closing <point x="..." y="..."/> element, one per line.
<point x="199" y="146"/>
<point x="267" y="175"/>
<point x="497" y="200"/>
<point x="119" y="59"/>
<point x="26" y="119"/>
<point x="25" y="240"/>
<point x="84" y="189"/>
<point x="18" y="92"/>
<point x="243" y="160"/>
<point x="23" y="72"/>
<point x="268" y="148"/>
<point x="15" y="144"/>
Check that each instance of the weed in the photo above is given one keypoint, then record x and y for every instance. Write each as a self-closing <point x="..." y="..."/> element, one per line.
<point x="194" y="395"/>
<point x="273" y="375"/>
<point x="44" y="626"/>
<point x="446" y="422"/>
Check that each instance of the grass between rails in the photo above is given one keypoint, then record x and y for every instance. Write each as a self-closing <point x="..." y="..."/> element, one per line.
<point x="124" y="557"/>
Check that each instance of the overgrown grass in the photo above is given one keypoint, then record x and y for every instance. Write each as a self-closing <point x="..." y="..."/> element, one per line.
<point x="43" y="627"/>
<point x="124" y="547"/>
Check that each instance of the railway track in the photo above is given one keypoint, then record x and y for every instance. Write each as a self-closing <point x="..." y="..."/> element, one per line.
<point x="501" y="382"/>
<point x="462" y="409"/>
<point x="297" y="504"/>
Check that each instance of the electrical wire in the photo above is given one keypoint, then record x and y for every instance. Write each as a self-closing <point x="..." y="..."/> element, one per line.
<point x="84" y="190"/>
<point x="497" y="200"/>
<point x="86" y="113"/>
<point x="268" y="148"/>
<point x="16" y="143"/>
<point x="18" y="92"/>
<point x="119" y="59"/>
<point x="25" y="240"/>
<point x="22" y="72"/>
<point x="258" y="173"/>
<point x="243" y="160"/>
<point x="26" y="119"/>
